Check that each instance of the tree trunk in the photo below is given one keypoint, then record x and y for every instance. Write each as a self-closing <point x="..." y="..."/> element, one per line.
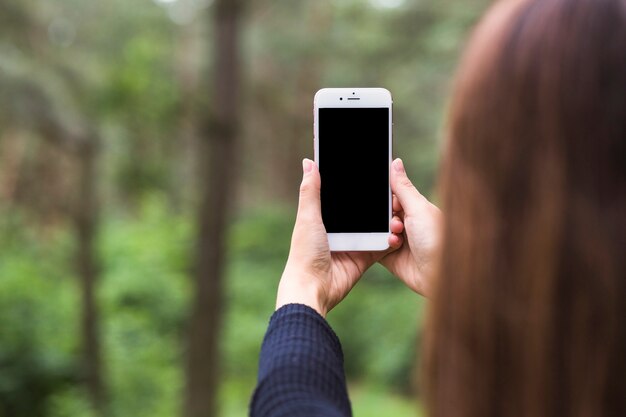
<point x="217" y="155"/>
<point x="86" y="264"/>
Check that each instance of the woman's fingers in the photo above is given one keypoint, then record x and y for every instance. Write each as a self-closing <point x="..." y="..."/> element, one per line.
<point x="396" y="225"/>
<point x="395" y="204"/>
<point x="395" y="241"/>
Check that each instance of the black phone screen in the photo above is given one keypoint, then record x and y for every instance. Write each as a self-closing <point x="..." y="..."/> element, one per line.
<point x="353" y="146"/>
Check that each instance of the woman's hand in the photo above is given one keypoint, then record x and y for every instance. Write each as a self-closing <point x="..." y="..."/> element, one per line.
<point x="419" y="221"/>
<point x="313" y="275"/>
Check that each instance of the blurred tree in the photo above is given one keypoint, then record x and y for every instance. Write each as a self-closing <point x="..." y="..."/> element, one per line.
<point x="33" y="109"/>
<point x="217" y="153"/>
<point x="86" y="219"/>
<point x="29" y="104"/>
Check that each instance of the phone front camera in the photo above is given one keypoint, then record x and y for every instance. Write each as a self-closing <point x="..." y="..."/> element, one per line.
<point x="340" y="98"/>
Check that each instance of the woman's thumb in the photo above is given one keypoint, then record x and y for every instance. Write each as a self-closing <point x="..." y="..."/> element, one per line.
<point x="309" y="206"/>
<point x="403" y="188"/>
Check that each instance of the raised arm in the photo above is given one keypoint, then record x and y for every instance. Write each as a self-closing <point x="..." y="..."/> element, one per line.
<point x="301" y="368"/>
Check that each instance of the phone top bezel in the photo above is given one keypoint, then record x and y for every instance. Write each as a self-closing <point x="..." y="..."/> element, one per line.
<point x="367" y="97"/>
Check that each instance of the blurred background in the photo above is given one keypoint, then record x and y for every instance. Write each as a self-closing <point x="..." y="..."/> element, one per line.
<point x="150" y="156"/>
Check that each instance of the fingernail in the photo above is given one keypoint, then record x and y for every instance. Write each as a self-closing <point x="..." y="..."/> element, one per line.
<point x="398" y="165"/>
<point x="307" y="166"/>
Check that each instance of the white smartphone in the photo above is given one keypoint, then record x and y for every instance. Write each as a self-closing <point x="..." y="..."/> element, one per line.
<point x="352" y="139"/>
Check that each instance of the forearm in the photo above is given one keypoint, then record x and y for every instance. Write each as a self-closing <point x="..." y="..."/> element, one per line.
<point x="301" y="367"/>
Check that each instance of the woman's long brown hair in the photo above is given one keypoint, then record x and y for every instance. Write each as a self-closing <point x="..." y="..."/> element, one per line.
<point x="528" y="316"/>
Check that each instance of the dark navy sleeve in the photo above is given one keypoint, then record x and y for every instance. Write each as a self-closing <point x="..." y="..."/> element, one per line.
<point x="301" y="368"/>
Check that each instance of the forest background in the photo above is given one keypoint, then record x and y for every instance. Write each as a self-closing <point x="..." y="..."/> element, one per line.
<point x="150" y="157"/>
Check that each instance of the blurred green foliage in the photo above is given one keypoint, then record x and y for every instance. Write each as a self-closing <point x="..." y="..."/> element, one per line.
<point x="38" y="320"/>
<point x="144" y="296"/>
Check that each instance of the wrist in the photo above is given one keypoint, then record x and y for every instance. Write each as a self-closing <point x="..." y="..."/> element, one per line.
<point x="300" y="291"/>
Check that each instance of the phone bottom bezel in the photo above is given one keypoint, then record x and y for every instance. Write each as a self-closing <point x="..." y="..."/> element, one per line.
<point x="354" y="242"/>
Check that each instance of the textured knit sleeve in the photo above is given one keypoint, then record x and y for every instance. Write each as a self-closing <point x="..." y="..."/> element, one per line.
<point x="301" y="368"/>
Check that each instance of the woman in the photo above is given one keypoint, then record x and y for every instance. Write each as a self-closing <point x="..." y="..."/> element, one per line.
<point x="526" y="270"/>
